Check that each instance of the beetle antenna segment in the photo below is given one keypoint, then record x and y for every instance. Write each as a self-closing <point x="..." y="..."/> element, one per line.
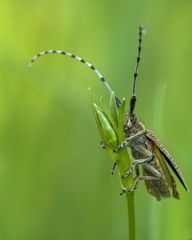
<point x="80" y="60"/>
<point x="133" y="98"/>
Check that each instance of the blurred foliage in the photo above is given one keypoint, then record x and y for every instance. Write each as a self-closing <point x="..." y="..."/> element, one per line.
<point x="55" y="181"/>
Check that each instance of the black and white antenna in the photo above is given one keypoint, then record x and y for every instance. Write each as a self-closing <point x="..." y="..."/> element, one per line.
<point x="133" y="98"/>
<point x="80" y="60"/>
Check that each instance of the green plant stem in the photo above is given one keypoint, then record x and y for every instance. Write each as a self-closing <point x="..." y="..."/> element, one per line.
<point x="111" y="128"/>
<point x="124" y="164"/>
<point x="131" y="215"/>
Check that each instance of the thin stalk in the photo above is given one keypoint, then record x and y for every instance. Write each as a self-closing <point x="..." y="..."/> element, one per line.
<point x="124" y="164"/>
<point x="131" y="215"/>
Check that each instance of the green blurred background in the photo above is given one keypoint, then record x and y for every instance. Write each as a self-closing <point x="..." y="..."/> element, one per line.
<point x="55" y="181"/>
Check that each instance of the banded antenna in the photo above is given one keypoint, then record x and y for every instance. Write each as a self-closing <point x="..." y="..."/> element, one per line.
<point x="133" y="98"/>
<point x="80" y="60"/>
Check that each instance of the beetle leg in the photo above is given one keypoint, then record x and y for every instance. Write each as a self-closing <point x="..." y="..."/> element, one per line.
<point x="144" y="152"/>
<point x="130" y="139"/>
<point x="113" y="168"/>
<point x="139" y="179"/>
<point x="102" y="145"/>
<point x="137" y="175"/>
<point x="122" y="191"/>
<point x="137" y="171"/>
<point x="135" y="163"/>
<point x="114" y="165"/>
<point x="136" y="183"/>
<point x="152" y="170"/>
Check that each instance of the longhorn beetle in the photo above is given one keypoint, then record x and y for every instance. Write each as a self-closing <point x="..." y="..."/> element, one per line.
<point x="146" y="149"/>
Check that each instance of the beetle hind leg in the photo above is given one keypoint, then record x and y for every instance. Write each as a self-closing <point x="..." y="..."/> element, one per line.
<point x="139" y="179"/>
<point x="136" y="183"/>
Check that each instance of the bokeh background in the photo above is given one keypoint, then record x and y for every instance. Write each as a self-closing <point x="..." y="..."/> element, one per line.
<point x="55" y="181"/>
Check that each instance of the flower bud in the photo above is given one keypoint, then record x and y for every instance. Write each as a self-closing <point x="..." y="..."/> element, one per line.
<point x="106" y="129"/>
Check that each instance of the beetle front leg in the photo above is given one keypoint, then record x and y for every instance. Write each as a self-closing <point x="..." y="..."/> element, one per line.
<point x="130" y="139"/>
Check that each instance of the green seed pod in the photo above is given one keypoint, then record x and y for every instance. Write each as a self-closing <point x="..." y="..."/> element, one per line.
<point x="114" y="109"/>
<point x="106" y="129"/>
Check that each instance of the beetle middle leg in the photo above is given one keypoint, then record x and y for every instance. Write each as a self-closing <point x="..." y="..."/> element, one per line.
<point x="135" y="163"/>
<point x="148" y="156"/>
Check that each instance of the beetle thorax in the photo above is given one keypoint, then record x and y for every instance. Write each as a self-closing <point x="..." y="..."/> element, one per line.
<point x="132" y="125"/>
